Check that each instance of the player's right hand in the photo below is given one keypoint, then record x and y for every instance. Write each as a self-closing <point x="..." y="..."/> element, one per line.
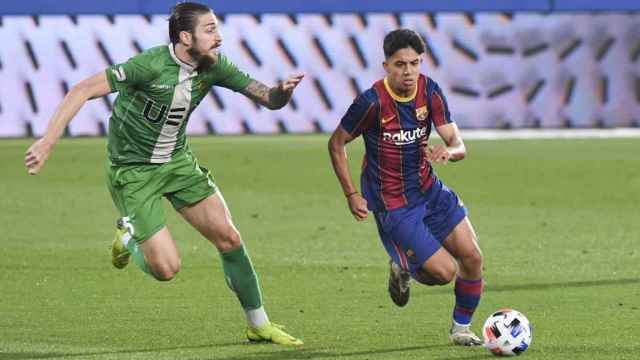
<point x="36" y="156"/>
<point x="358" y="206"/>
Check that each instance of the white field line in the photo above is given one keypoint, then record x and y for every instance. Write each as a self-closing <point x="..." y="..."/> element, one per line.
<point x="550" y="134"/>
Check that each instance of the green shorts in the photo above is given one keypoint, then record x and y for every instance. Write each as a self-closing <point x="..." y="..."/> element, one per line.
<point x="137" y="190"/>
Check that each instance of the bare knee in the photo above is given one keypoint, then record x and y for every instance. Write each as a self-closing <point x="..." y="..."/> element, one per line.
<point x="472" y="262"/>
<point x="441" y="275"/>
<point x="166" y="271"/>
<point x="228" y="241"/>
<point x="445" y="275"/>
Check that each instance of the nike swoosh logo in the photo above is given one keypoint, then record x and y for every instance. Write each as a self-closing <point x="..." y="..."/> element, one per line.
<point x="384" y="121"/>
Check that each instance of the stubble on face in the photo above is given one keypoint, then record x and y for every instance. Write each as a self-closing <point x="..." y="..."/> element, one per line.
<point x="204" y="60"/>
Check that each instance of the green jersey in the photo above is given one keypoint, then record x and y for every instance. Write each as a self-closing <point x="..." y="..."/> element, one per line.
<point x="156" y="94"/>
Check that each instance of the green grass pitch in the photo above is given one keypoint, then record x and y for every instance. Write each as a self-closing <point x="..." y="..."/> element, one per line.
<point x="558" y="222"/>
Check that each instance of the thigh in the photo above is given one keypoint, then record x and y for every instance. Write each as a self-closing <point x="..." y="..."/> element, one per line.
<point x="462" y="241"/>
<point x="407" y="239"/>
<point x="444" y="211"/>
<point x="160" y="249"/>
<point x="137" y="194"/>
<point x="211" y="217"/>
<point x="188" y="182"/>
<point x="439" y="269"/>
<point x="463" y="245"/>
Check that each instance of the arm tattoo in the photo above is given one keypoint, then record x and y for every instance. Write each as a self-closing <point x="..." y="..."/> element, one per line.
<point x="273" y="98"/>
<point x="278" y="98"/>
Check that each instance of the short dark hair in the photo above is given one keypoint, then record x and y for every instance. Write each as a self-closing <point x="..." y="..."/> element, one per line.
<point x="402" y="39"/>
<point x="184" y="17"/>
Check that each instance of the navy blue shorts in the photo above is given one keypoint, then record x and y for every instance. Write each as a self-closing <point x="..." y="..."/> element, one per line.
<point x="411" y="235"/>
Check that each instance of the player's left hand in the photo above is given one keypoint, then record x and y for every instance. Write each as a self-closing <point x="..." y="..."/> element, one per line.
<point x="438" y="154"/>
<point x="290" y="83"/>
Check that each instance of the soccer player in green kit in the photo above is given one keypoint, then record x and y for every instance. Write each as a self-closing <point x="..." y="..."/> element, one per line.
<point x="149" y="157"/>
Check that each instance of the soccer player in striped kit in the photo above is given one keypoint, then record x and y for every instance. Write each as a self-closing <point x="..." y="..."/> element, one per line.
<point x="150" y="158"/>
<point x="422" y="223"/>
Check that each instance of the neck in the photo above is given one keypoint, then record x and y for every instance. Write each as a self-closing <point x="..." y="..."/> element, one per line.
<point x="183" y="55"/>
<point x="400" y="95"/>
<point x="404" y="93"/>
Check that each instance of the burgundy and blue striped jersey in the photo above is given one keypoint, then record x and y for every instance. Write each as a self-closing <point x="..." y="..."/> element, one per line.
<point x="395" y="170"/>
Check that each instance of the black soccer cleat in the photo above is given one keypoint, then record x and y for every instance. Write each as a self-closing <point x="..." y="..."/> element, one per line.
<point x="398" y="284"/>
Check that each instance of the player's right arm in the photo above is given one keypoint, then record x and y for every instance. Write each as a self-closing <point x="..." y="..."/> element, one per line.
<point x="357" y="119"/>
<point x="119" y="77"/>
<point x="338" y="154"/>
<point x="94" y="87"/>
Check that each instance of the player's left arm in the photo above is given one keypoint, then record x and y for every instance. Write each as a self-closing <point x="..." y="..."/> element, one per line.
<point x="273" y="98"/>
<point x="453" y="148"/>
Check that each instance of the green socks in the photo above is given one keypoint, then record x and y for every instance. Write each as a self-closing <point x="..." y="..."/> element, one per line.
<point x="138" y="256"/>
<point x="239" y="274"/>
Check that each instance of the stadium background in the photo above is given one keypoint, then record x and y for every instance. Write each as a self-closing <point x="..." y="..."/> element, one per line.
<point x="502" y="64"/>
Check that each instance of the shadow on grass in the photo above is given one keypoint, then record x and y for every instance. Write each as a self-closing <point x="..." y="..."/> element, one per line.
<point x="568" y="351"/>
<point x="560" y="285"/>
<point x="320" y="353"/>
<point x="545" y="286"/>
<point x="288" y="354"/>
<point x="304" y="353"/>
<point x="80" y="355"/>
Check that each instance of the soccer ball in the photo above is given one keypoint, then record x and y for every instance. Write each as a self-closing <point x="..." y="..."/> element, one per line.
<point x="507" y="333"/>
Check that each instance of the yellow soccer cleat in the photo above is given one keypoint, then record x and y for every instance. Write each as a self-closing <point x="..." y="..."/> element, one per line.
<point x="119" y="253"/>
<point x="272" y="333"/>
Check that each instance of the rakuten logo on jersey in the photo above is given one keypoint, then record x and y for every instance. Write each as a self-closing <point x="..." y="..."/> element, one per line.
<point x="405" y="137"/>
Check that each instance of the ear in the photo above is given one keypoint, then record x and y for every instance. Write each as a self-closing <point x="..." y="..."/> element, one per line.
<point x="385" y="65"/>
<point x="186" y="38"/>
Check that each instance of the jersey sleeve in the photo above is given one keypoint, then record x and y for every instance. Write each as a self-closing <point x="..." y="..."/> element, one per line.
<point x="439" y="108"/>
<point x="231" y="77"/>
<point x="135" y="71"/>
<point x="360" y="116"/>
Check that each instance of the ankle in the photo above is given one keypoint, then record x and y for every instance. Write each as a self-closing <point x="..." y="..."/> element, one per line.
<point x="457" y="326"/>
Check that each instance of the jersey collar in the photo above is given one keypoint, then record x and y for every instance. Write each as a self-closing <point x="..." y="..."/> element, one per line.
<point x="397" y="97"/>
<point x="182" y="64"/>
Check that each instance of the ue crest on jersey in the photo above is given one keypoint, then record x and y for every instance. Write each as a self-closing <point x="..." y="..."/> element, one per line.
<point x="200" y="85"/>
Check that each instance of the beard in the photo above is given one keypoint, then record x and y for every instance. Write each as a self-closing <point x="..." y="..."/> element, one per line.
<point x="204" y="61"/>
